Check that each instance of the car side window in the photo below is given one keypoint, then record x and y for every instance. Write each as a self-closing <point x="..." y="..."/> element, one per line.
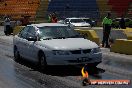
<point x="31" y="32"/>
<point x="23" y="33"/>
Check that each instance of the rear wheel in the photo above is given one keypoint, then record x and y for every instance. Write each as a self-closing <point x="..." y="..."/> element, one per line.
<point x="42" y="62"/>
<point x="16" y="55"/>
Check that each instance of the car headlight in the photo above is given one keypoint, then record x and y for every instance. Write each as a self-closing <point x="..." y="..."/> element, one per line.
<point x="96" y="50"/>
<point x="60" y="52"/>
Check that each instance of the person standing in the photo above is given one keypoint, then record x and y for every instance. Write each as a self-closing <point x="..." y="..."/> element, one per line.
<point x="107" y="22"/>
<point x="122" y="23"/>
<point x="54" y="18"/>
<point x="7" y="25"/>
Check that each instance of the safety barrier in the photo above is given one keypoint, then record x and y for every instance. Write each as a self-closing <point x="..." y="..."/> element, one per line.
<point x="128" y="33"/>
<point x="17" y="29"/>
<point x="89" y="34"/>
<point x="122" y="46"/>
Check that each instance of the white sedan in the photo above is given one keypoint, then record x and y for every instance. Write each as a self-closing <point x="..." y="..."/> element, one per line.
<point x="55" y="44"/>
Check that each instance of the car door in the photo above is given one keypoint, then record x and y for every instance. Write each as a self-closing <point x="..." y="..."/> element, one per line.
<point x="31" y="49"/>
<point x="22" y="41"/>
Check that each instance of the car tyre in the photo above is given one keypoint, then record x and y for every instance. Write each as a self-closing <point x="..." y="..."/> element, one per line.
<point x="16" y="55"/>
<point x="93" y="64"/>
<point x="42" y="62"/>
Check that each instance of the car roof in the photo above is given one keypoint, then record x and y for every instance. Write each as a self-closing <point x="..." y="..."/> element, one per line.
<point x="120" y="18"/>
<point x="84" y="18"/>
<point x="47" y="24"/>
<point x="73" y="18"/>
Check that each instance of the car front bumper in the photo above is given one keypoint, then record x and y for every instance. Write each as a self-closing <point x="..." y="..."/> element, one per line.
<point x="74" y="59"/>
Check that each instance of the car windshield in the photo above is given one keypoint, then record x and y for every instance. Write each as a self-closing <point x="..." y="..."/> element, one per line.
<point x="57" y="32"/>
<point x="118" y="19"/>
<point x="87" y="20"/>
<point x="127" y="19"/>
<point x="76" y="20"/>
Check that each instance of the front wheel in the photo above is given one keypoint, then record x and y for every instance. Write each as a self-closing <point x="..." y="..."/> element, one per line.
<point x="16" y="55"/>
<point x="42" y="61"/>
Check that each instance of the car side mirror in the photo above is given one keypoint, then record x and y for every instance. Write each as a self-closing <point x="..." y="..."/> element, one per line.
<point x="32" y="38"/>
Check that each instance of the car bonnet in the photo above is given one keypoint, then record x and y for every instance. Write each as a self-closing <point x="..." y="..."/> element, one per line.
<point x="68" y="44"/>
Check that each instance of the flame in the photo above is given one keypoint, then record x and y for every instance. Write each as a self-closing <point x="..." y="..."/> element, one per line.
<point x="84" y="73"/>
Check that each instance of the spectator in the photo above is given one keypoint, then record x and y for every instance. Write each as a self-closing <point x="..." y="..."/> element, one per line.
<point x="54" y="18"/>
<point x="7" y="25"/>
<point x="122" y="23"/>
<point x="107" y="22"/>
